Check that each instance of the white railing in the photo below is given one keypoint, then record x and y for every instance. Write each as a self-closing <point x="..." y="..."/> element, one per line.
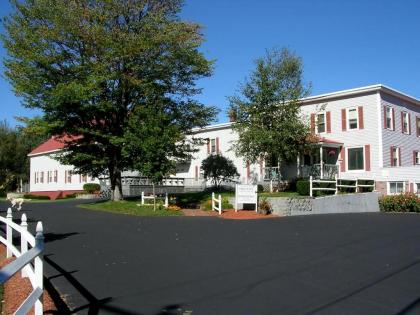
<point x="328" y="171"/>
<point x="154" y="197"/>
<point x="217" y="201"/>
<point x="358" y="183"/>
<point x="24" y="257"/>
<point x="144" y="181"/>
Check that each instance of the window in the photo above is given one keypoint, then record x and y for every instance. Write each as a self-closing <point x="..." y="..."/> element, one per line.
<point x="405" y="123"/>
<point x="82" y="178"/>
<point x="213" y="146"/>
<point x="55" y="176"/>
<point x="395" y="159"/>
<point x="388" y="117"/>
<point x="416" y="158"/>
<point x="320" y="123"/>
<point x="353" y="118"/>
<point x="36" y="178"/>
<point x="49" y="177"/>
<point x="355" y="159"/>
<point x="41" y="179"/>
<point x="418" y="126"/>
<point x="417" y="188"/>
<point x="396" y="187"/>
<point x="68" y="176"/>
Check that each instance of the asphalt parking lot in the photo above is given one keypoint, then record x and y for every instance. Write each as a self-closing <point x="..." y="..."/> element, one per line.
<point x="322" y="264"/>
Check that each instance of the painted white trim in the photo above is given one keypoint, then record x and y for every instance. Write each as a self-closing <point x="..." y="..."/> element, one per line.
<point x="388" y="186"/>
<point x="406" y="118"/>
<point x="325" y="122"/>
<point x="380" y="133"/>
<point x="45" y="152"/>
<point x="348" y="159"/>
<point x="348" y="118"/>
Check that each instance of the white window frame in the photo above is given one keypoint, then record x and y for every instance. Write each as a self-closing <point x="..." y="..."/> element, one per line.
<point x="417" y="188"/>
<point x="395" y="181"/>
<point x="406" y="120"/>
<point x="55" y="176"/>
<point x="49" y="177"/>
<point x="211" y="146"/>
<point x="417" y="158"/>
<point x="391" y="127"/>
<point x="398" y="157"/>
<point x="348" y="118"/>
<point x="325" y="122"/>
<point x="36" y="178"/>
<point x="348" y="159"/>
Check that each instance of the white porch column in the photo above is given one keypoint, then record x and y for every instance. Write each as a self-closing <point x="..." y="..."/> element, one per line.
<point x="321" y="162"/>
<point x="298" y="165"/>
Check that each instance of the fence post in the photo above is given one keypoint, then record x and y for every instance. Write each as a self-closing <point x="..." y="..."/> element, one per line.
<point x="38" y="267"/>
<point x="220" y="204"/>
<point x="336" y="184"/>
<point x="142" y="198"/>
<point x="310" y="186"/>
<point x="24" y="242"/>
<point x="166" y="200"/>
<point x="9" y="235"/>
<point x="212" y="201"/>
<point x="357" y="185"/>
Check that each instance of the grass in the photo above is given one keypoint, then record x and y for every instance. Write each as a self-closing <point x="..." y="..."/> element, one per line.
<point x="130" y="207"/>
<point x="280" y="194"/>
<point x="202" y="199"/>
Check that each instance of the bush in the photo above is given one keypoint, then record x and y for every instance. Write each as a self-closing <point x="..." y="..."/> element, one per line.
<point x="260" y="188"/>
<point x="37" y="197"/>
<point x="91" y="188"/>
<point x="302" y="187"/>
<point x="264" y="206"/>
<point x="407" y="202"/>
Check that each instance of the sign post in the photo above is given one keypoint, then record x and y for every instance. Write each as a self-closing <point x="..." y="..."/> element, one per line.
<point x="246" y="194"/>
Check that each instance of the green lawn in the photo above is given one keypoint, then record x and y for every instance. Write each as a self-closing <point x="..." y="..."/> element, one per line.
<point x="130" y="207"/>
<point x="280" y="194"/>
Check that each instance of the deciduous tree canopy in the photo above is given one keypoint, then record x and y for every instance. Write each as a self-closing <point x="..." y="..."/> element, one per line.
<point x="121" y="74"/>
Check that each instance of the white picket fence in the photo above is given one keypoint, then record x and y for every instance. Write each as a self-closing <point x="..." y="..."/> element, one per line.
<point x="154" y="197"/>
<point x="24" y="257"/>
<point x="217" y="201"/>
<point x="338" y="184"/>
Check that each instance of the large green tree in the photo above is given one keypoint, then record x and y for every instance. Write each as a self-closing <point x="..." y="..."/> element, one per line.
<point x="218" y="168"/>
<point x="267" y="111"/>
<point x="118" y="74"/>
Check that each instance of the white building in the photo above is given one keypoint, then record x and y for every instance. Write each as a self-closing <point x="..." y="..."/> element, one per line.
<point x="369" y="132"/>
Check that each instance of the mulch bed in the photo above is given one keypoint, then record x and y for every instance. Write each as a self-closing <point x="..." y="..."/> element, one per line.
<point x="228" y="214"/>
<point x="17" y="289"/>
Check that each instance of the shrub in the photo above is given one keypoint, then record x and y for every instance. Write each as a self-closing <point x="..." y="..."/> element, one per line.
<point x="260" y="188"/>
<point x="302" y="187"/>
<point x="91" y="187"/>
<point x="38" y="197"/>
<point x="407" y="202"/>
<point x="264" y="206"/>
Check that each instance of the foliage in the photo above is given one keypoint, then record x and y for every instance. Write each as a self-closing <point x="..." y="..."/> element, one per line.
<point x="264" y="206"/>
<point x="131" y="207"/>
<point x="36" y="197"/>
<point x="279" y="194"/>
<point x="267" y="110"/>
<point x="406" y="202"/>
<point x="15" y="144"/>
<point x="202" y="200"/>
<point x="260" y="188"/>
<point x="119" y="76"/>
<point x="218" y="168"/>
<point x="302" y="187"/>
<point x="91" y="187"/>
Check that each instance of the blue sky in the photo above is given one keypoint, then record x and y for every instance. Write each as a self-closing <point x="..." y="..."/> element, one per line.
<point x="343" y="44"/>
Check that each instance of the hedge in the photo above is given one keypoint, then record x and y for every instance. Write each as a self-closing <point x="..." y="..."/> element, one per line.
<point x="406" y="202"/>
<point x="91" y="187"/>
<point x="38" y="197"/>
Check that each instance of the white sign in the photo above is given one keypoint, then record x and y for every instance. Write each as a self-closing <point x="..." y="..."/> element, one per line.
<point x="246" y="194"/>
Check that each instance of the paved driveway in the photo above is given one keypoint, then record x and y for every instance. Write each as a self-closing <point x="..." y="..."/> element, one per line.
<point x="324" y="264"/>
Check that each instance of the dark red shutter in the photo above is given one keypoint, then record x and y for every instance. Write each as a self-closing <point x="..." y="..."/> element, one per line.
<point x="312" y="123"/>
<point x="417" y="127"/>
<point x="411" y="187"/>
<point x="196" y="173"/>
<point x="343" y="160"/>
<point x="393" y="118"/>
<point x="328" y="122"/>
<point x="343" y="120"/>
<point x="217" y="145"/>
<point x="414" y="157"/>
<point x="360" y="112"/>
<point x="367" y="157"/>
<point x="385" y="118"/>
<point x="392" y="159"/>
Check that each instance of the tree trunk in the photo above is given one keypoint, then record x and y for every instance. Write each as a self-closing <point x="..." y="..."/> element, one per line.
<point x="278" y="173"/>
<point x="116" y="186"/>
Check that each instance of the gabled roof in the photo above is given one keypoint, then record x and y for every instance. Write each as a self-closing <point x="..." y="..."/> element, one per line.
<point x="55" y="143"/>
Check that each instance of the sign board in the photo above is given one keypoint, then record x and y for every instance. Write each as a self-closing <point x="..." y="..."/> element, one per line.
<point x="246" y="194"/>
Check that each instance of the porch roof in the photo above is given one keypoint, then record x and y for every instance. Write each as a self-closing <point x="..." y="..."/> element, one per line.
<point x="332" y="143"/>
